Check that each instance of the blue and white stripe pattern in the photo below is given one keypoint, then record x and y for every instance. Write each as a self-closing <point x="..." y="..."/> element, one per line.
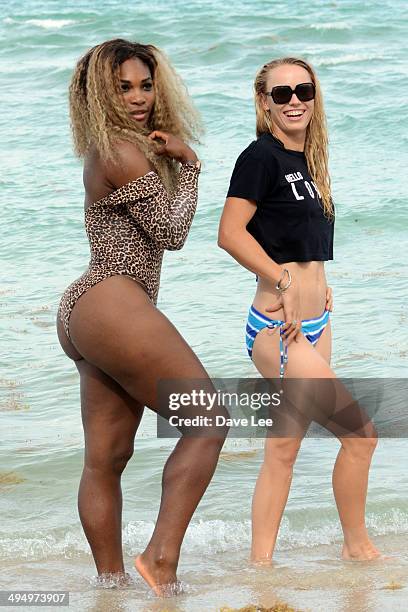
<point x="311" y="328"/>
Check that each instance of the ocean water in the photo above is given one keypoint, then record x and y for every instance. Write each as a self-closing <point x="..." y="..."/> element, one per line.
<point x="359" y="50"/>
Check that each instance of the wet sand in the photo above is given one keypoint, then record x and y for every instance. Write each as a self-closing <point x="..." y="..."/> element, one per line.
<point x="306" y="579"/>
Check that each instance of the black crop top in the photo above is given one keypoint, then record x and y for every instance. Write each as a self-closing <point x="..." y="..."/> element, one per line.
<point x="289" y="222"/>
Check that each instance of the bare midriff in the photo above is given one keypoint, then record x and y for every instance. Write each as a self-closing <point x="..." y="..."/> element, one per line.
<point x="311" y="281"/>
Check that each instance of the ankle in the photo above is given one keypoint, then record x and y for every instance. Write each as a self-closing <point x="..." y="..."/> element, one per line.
<point x="261" y="559"/>
<point x="120" y="578"/>
<point x="355" y="548"/>
<point x="356" y="535"/>
<point x="160" y="560"/>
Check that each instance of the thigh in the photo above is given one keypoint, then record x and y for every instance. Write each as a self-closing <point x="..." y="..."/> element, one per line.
<point x="315" y="394"/>
<point x="304" y="360"/>
<point x="116" y="327"/>
<point x="110" y="417"/>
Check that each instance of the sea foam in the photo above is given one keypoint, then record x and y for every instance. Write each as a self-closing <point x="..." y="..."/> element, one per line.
<point x="50" y="24"/>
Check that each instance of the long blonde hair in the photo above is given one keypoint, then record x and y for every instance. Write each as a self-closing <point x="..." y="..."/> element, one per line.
<point x="99" y="115"/>
<point x="316" y="144"/>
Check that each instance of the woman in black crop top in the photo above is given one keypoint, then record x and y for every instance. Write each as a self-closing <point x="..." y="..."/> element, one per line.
<point x="278" y="222"/>
<point x="131" y="117"/>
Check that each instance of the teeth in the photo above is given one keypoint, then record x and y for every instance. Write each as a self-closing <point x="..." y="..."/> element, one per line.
<point x="294" y="113"/>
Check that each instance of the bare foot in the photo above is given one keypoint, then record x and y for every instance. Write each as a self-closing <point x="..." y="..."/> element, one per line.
<point x="364" y="552"/>
<point x="163" y="582"/>
<point x="261" y="561"/>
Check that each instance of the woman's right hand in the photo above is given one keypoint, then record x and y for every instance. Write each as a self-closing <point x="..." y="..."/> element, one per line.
<point x="172" y="146"/>
<point x="290" y="303"/>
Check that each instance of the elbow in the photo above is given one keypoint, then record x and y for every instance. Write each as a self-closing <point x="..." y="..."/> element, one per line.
<point x="224" y="239"/>
<point x="174" y="246"/>
<point x="175" y="243"/>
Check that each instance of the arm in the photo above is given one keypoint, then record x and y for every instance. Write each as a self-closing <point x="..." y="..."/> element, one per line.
<point x="234" y="238"/>
<point x="238" y="242"/>
<point x="166" y="220"/>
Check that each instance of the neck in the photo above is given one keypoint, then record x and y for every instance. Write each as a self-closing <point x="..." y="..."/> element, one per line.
<point x="294" y="142"/>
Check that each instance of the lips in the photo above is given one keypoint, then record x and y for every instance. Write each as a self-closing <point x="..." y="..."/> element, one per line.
<point x="139" y="115"/>
<point x="294" y="115"/>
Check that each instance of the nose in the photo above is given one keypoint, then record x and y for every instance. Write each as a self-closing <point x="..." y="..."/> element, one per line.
<point x="294" y="99"/>
<point x="137" y="97"/>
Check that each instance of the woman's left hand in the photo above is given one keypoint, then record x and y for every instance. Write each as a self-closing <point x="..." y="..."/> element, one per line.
<point x="329" y="299"/>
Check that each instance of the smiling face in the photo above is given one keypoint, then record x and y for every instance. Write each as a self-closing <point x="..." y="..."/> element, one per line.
<point x="137" y="89"/>
<point x="290" y="120"/>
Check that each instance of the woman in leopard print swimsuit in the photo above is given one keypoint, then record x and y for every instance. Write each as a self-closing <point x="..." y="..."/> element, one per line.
<point x="131" y="117"/>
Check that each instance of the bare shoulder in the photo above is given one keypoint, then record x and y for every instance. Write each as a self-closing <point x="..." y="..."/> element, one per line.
<point x="94" y="177"/>
<point x="133" y="164"/>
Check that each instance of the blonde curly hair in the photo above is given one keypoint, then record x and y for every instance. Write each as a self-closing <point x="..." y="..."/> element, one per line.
<point x="316" y="144"/>
<point x="99" y="115"/>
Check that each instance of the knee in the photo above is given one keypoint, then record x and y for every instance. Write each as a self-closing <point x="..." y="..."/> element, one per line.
<point x="208" y="447"/>
<point x="108" y="461"/>
<point x="283" y="452"/>
<point x="212" y="444"/>
<point x="360" y="449"/>
<point x="209" y="436"/>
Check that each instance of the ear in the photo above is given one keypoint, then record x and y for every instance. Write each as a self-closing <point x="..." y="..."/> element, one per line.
<point x="264" y="102"/>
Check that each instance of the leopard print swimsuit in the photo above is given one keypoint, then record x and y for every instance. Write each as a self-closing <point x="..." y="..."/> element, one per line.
<point x="129" y="229"/>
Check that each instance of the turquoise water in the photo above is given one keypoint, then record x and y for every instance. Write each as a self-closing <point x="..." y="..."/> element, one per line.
<point x="359" y="51"/>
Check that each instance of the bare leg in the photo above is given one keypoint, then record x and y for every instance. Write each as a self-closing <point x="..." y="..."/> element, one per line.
<point x="110" y="419"/>
<point x="116" y="328"/>
<point x="271" y="494"/>
<point x="350" y="476"/>
<point x="350" y="482"/>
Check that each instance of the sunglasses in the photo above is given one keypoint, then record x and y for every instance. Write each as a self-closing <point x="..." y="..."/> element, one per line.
<point x="282" y="94"/>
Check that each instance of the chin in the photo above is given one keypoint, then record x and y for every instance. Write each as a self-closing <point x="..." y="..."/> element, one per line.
<point x="299" y="127"/>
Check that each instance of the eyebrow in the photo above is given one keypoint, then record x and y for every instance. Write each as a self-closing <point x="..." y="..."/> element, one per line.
<point x="142" y="81"/>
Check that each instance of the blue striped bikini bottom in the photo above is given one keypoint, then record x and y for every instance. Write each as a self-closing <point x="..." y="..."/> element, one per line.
<point x="311" y="328"/>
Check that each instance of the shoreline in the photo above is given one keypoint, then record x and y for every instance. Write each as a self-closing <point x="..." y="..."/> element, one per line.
<point x="305" y="579"/>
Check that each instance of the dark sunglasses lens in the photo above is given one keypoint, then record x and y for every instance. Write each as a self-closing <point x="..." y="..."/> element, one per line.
<point x="305" y="92"/>
<point x="281" y="94"/>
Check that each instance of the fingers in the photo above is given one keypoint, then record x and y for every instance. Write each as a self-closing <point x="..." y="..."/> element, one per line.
<point x="329" y="299"/>
<point x="160" y="149"/>
<point x="291" y="329"/>
<point x="159" y="134"/>
<point x="276" y="306"/>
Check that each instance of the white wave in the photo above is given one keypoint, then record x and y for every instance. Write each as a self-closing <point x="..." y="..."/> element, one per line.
<point x="391" y="522"/>
<point x="346" y="59"/>
<point x="43" y="546"/>
<point x="8" y="20"/>
<point x="218" y="536"/>
<point x="331" y="26"/>
<point x="50" y="24"/>
<point x="203" y="537"/>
